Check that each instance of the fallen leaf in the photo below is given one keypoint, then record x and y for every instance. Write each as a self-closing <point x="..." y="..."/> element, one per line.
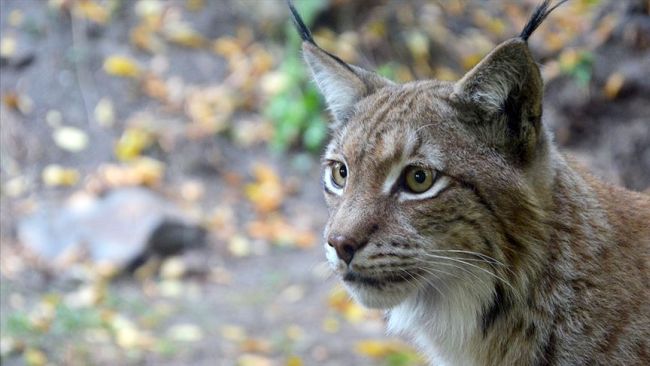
<point x="7" y="46"/>
<point x="54" y="118"/>
<point x="253" y="345"/>
<point x="182" y="34"/>
<point x="35" y="357"/>
<point x="293" y="293"/>
<point x="185" y="333"/>
<point x="172" y="268"/>
<point x="18" y="102"/>
<point x="15" y="187"/>
<point x="70" y="138"/>
<point x="91" y="10"/>
<point x="121" y="66"/>
<point x="233" y="333"/>
<point x="331" y="324"/>
<point x="56" y="175"/>
<point x="613" y="85"/>
<point x="195" y="5"/>
<point x="131" y="144"/>
<point x="253" y="360"/>
<point x="266" y="193"/>
<point x="295" y="332"/>
<point x="16" y="18"/>
<point x="192" y="190"/>
<point x="104" y="112"/>
<point x="294" y="361"/>
<point x="239" y="246"/>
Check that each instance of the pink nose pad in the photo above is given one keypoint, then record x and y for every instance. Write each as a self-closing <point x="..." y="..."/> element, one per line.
<point x="345" y="246"/>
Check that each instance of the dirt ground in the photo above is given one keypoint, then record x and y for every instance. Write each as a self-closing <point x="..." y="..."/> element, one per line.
<point x="259" y="292"/>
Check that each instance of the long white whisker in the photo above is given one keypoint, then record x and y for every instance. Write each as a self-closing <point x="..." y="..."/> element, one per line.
<point x="426" y="280"/>
<point x="472" y="265"/>
<point x="452" y="265"/>
<point x="482" y="257"/>
<point x="468" y="252"/>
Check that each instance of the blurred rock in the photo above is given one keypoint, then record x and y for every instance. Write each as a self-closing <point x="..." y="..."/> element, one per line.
<point x="123" y="227"/>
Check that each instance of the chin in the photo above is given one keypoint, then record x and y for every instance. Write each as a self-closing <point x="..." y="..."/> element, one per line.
<point x="384" y="297"/>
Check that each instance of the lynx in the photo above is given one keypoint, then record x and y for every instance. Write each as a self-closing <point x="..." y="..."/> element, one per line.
<point x="452" y="209"/>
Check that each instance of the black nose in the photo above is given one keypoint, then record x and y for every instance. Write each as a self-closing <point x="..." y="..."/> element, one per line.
<point x="345" y="246"/>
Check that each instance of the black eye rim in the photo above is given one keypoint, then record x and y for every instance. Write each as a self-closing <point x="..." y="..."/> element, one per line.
<point x="333" y="164"/>
<point x="404" y="184"/>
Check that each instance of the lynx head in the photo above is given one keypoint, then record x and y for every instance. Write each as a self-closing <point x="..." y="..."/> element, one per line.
<point x="433" y="186"/>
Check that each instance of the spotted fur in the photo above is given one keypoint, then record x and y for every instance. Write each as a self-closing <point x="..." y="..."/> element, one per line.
<point x="519" y="257"/>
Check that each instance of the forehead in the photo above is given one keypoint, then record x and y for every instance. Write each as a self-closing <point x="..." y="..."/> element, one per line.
<point x="394" y="124"/>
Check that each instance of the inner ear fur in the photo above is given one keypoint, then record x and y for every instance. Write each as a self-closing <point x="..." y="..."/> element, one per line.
<point x="341" y="84"/>
<point x="504" y="92"/>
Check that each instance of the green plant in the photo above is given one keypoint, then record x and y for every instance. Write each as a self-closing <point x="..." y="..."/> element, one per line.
<point x="578" y="65"/>
<point x="296" y="112"/>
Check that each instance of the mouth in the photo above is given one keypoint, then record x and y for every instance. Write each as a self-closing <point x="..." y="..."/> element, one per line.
<point x="378" y="282"/>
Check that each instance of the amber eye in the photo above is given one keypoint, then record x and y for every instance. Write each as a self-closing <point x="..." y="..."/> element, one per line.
<point x="418" y="179"/>
<point x="339" y="174"/>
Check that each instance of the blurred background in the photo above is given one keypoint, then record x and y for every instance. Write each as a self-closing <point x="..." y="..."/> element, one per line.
<point x="160" y="189"/>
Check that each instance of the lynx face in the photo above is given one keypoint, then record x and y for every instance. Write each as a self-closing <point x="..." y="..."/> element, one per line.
<point x="403" y="215"/>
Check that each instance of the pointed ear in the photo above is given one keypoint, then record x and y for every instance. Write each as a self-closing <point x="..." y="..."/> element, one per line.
<point x="505" y="90"/>
<point x="342" y="85"/>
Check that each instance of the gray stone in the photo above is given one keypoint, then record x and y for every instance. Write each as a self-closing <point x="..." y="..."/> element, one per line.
<point x="117" y="228"/>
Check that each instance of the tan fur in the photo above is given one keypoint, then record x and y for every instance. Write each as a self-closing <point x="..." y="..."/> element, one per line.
<point x="520" y="258"/>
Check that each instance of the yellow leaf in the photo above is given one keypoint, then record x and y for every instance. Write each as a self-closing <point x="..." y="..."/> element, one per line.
<point x="7" y="46"/>
<point x="267" y="192"/>
<point x="56" y="175"/>
<point x="331" y="325"/>
<point x="121" y="66"/>
<point x="183" y="35"/>
<point x="35" y="357"/>
<point x="91" y="10"/>
<point x="131" y="144"/>
<point x="471" y="60"/>
<point x="147" y="171"/>
<point x="372" y="348"/>
<point x="294" y="361"/>
<point x="195" y="5"/>
<point x="379" y="348"/>
<point x="613" y="85"/>
<point x="253" y="360"/>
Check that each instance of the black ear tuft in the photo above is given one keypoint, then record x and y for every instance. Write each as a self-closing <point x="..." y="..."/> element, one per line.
<point x="538" y="16"/>
<point x="304" y="32"/>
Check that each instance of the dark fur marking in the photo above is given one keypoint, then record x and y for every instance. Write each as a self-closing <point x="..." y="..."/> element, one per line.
<point x="500" y="306"/>
<point x="372" y="281"/>
<point x="383" y="255"/>
<point x="549" y="350"/>
<point x="530" y="331"/>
